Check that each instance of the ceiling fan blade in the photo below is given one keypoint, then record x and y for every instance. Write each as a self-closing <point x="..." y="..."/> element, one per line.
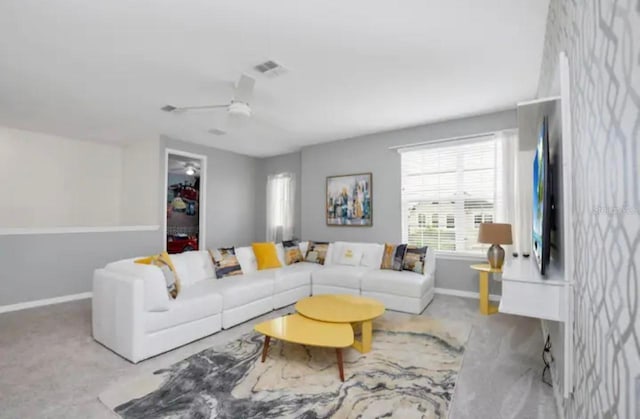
<point x="244" y="89"/>
<point x="176" y="109"/>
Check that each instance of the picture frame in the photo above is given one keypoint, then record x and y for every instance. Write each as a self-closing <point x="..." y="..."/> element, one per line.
<point x="349" y="200"/>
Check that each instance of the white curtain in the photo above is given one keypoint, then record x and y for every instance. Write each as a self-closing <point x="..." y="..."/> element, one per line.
<point x="507" y="185"/>
<point x="524" y="200"/>
<point x="280" y="207"/>
<point x="515" y="182"/>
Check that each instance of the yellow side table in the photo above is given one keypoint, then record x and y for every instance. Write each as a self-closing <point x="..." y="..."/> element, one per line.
<point x="484" y="270"/>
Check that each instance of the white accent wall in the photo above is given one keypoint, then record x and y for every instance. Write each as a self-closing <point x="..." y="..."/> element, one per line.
<point x="51" y="181"/>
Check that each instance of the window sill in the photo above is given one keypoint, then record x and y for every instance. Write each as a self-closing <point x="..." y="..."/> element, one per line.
<point x="474" y="256"/>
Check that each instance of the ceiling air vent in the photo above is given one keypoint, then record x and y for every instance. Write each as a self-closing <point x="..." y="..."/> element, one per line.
<point x="217" y="131"/>
<point x="270" y="69"/>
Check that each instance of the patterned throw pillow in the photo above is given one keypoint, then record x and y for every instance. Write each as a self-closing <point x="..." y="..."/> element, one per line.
<point x="393" y="256"/>
<point x="317" y="252"/>
<point x="163" y="261"/>
<point x="414" y="259"/>
<point x="292" y="253"/>
<point x="225" y="262"/>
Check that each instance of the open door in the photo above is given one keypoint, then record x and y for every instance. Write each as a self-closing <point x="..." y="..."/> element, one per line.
<point x="184" y="222"/>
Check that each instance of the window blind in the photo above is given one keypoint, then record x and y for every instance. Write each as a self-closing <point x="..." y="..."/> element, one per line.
<point x="448" y="189"/>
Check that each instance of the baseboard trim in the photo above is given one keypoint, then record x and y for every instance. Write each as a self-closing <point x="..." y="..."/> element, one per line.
<point x="45" y="302"/>
<point x="85" y="295"/>
<point x="465" y="294"/>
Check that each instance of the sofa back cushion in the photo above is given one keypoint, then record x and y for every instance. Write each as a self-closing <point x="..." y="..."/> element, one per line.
<point x="193" y="266"/>
<point x="371" y="252"/>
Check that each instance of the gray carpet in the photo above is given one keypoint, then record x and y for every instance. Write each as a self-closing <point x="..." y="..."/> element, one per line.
<point x="50" y="367"/>
<point x="410" y="373"/>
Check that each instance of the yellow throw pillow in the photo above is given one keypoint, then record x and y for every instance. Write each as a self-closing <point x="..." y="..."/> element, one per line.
<point x="144" y="261"/>
<point x="266" y="255"/>
<point x="163" y="261"/>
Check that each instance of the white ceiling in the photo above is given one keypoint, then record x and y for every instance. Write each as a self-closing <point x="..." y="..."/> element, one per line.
<point x="100" y="70"/>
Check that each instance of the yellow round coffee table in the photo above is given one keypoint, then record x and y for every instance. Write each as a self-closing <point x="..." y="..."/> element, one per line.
<point x="342" y="308"/>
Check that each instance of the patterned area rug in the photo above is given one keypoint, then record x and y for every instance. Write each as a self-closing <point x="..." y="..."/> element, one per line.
<point x="410" y="373"/>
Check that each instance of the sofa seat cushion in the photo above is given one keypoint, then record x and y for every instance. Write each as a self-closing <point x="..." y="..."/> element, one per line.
<point x="294" y="276"/>
<point x="343" y="276"/>
<point x="196" y="302"/>
<point x="405" y="283"/>
<point x="240" y="290"/>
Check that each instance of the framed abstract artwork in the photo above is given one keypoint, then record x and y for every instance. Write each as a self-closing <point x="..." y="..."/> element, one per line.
<point x="349" y="200"/>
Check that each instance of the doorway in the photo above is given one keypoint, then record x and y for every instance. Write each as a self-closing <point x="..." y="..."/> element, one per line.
<point x="184" y="223"/>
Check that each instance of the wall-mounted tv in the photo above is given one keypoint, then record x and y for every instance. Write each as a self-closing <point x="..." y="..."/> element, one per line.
<point x="542" y="200"/>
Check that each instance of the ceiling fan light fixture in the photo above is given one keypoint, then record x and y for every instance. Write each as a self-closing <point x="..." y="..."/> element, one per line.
<point x="239" y="109"/>
<point x="190" y="170"/>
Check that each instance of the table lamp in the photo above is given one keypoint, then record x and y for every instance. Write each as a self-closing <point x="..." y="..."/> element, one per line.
<point x="495" y="234"/>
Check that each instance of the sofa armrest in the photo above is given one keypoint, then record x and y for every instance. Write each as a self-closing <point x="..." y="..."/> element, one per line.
<point x="430" y="263"/>
<point x="156" y="297"/>
<point x="117" y="313"/>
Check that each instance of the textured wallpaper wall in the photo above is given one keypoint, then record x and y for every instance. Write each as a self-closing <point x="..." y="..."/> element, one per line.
<point x="602" y="41"/>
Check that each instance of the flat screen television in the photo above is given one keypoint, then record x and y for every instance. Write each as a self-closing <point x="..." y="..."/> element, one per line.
<point x="541" y="231"/>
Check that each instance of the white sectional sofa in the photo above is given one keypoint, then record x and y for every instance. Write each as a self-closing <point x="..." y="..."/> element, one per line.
<point x="134" y="316"/>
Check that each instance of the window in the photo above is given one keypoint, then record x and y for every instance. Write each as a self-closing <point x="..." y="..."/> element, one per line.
<point x="456" y="180"/>
<point x="451" y="221"/>
<point x="280" y="207"/>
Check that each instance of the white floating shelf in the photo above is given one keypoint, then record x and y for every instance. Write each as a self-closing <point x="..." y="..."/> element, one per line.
<point x="527" y="293"/>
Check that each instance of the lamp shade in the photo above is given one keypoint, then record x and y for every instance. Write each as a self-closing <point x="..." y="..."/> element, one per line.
<point x="495" y="233"/>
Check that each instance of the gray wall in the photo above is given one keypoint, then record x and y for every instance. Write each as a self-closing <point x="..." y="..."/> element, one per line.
<point x="290" y="163"/>
<point x="43" y="266"/>
<point x="231" y="193"/>
<point x="601" y="40"/>
<point x="51" y="265"/>
<point x="371" y="153"/>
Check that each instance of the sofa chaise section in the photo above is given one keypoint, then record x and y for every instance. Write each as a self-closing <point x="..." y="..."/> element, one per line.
<point x="134" y="317"/>
<point x="402" y="290"/>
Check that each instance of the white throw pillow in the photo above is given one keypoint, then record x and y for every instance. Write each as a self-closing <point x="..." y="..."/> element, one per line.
<point x="303" y="247"/>
<point x="372" y="255"/>
<point x="280" y="253"/>
<point x="349" y="255"/>
<point x="247" y="259"/>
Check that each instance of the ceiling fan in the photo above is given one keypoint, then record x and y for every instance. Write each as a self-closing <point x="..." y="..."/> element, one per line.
<point x="188" y="167"/>
<point x="237" y="107"/>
